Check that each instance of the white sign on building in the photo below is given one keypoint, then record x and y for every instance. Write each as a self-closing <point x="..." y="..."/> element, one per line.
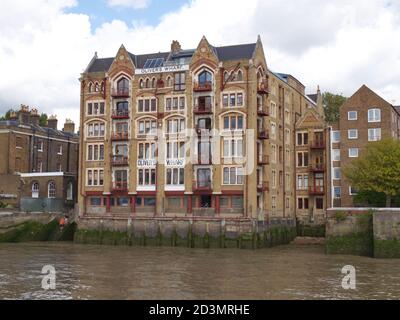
<point x="172" y="68"/>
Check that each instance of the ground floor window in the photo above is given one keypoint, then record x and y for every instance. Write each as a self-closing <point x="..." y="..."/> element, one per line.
<point x="176" y="202"/>
<point x="95" y="201"/>
<point x="319" y="203"/>
<point x="235" y="202"/>
<point x="145" y="201"/>
<point x="35" y="190"/>
<point x="302" y="203"/>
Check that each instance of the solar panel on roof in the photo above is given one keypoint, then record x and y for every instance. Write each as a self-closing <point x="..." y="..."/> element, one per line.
<point x="147" y="64"/>
<point x="159" y="62"/>
<point x="153" y="63"/>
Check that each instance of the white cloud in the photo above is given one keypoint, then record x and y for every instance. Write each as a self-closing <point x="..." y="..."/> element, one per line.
<point x="339" y="45"/>
<point x="135" y="4"/>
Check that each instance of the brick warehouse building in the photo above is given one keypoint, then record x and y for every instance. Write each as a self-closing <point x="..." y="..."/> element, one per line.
<point x="365" y="117"/>
<point x="242" y="157"/>
<point x="38" y="165"/>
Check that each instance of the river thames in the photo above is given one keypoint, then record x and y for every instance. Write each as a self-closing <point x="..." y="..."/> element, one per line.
<point x="106" y="272"/>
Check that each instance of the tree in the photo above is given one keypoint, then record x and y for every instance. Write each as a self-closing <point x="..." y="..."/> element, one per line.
<point x="377" y="169"/>
<point x="332" y="103"/>
<point x="7" y="115"/>
<point x="43" y="120"/>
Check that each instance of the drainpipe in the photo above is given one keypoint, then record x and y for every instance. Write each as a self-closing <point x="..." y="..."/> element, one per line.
<point x="247" y="126"/>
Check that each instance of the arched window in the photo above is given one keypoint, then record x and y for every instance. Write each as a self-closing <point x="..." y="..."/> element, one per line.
<point x="123" y="85"/>
<point x="259" y="75"/>
<point x="90" y="87"/>
<point x="205" y="77"/>
<point x="141" y="84"/>
<point x="147" y="83"/>
<point x="102" y="86"/>
<point x="35" y="190"/>
<point x="169" y="82"/>
<point x="239" y="76"/>
<point x="226" y="76"/>
<point x="51" y="190"/>
<point x="96" y="87"/>
<point x="153" y="82"/>
<point x="70" y="193"/>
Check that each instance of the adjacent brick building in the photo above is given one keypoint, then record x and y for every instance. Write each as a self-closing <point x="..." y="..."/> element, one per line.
<point x="364" y="117"/>
<point x="207" y="132"/>
<point x="38" y="165"/>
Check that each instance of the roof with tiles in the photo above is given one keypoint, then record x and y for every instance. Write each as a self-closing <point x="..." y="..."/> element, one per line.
<point x="45" y="130"/>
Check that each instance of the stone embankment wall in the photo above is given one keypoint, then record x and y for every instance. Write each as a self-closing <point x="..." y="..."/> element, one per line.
<point x="373" y="233"/>
<point x="22" y="227"/>
<point x="245" y="234"/>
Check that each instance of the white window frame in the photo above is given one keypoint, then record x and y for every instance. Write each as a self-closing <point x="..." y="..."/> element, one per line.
<point x="93" y="114"/>
<point x="373" y="112"/>
<point x="180" y="171"/>
<point x="352" y="119"/>
<point x="60" y="149"/>
<point x="349" y="134"/>
<point x="229" y="154"/>
<point x="144" y="102"/>
<point x="350" y="156"/>
<point x="236" y="94"/>
<point x="239" y="172"/>
<point x="51" y="192"/>
<point x="336" y="154"/>
<point x="40" y="146"/>
<point x="99" y="145"/>
<point x="375" y="137"/>
<point x="35" y="191"/>
<point x="97" y="172"/>
<point x="351" y="193"/>
<point x="334" y="172"/>
<point x="334" y="194"/>
<point x="333" y="136"/>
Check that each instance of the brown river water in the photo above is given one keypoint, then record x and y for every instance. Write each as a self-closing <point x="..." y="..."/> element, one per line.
<point x="105" y="272"/>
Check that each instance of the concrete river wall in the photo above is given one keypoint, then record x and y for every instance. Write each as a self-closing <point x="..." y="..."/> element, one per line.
<point x="373" y="233"/>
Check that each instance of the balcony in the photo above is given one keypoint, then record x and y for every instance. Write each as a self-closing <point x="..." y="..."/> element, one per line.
<point x="120" y="93"/>
<point x="316" y="190"/>
<point x="202" y="87"/>
<point x="263" y="160"/>
<point x="263" y="135"/>
<point x="262" y="111"/>
<point x="263" y="187"/>
<point x="120" y="186"/>
<point x="120" y="114"/>
<point x="318" y="144"/>
<point x="120" y="136"/>
<point x="117" y="161"/>
<point x="204" y="160"/>
<point x="202" y="131"/>
<point x="203" y="109"/>
<point x="202" y="187"/>
<point x="317" y="167"/>
<point x="262" y="87"/>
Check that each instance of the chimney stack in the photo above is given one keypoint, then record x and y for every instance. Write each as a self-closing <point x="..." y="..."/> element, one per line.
<point x="23" y="114"/>
<point x="34" y="117"/>
<point x="175" y="47"/>
<point x="52" y="122"/>
<point x="69" y="126"/>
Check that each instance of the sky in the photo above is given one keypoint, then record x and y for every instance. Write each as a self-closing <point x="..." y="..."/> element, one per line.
<point x="339" y="44"/>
